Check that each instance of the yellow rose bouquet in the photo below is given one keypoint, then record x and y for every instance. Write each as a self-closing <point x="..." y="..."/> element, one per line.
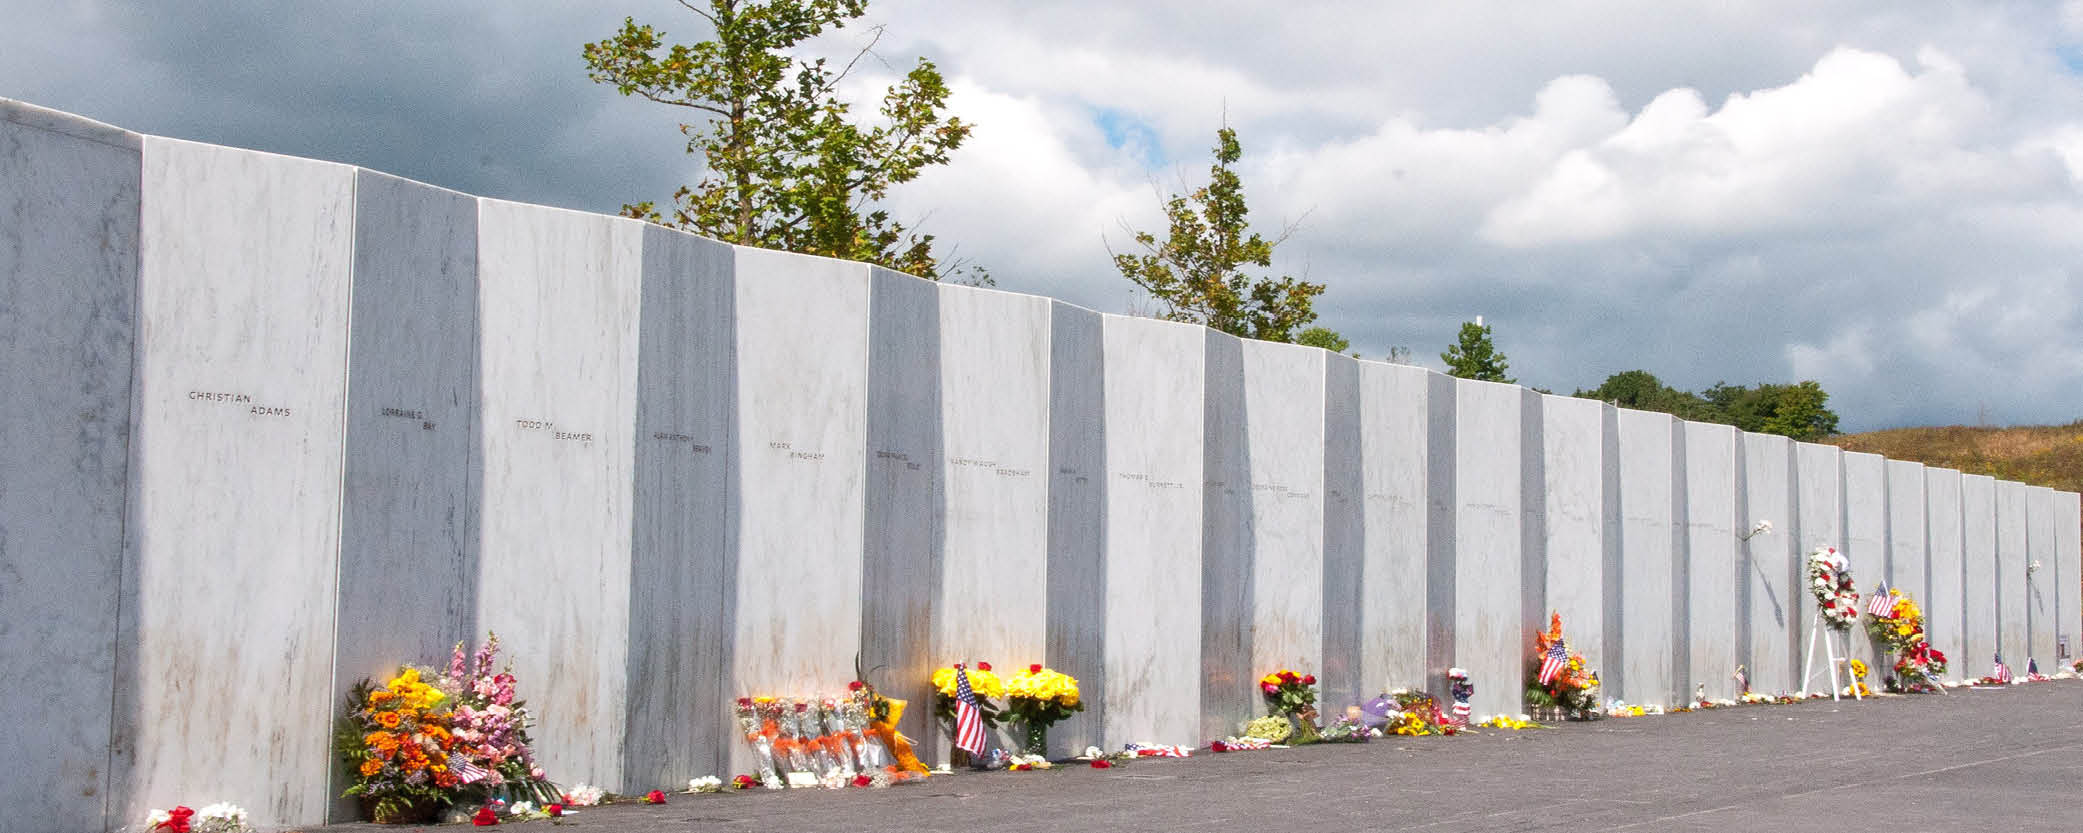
<point x="1040" y="697"/>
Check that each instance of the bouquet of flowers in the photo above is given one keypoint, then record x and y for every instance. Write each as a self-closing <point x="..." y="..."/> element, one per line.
<point x="1417" y="713"/>
<point x="397" y="745"/>
<point x="1921" y="663"/>
<point x="493" y="757"/>
<point x="1858" y="686"/>
<point x="1292" y="696"/>
<point x="1572" y="687"/>
<point x="1901" y="629"/>
<point x="1830" y="580"/>
<point x="983" y="682"/>
<point x="1270" y="729"/>
<point x="1039" y="698"/>
<point x="215" y="818"/>
<point x="760" y="724"/>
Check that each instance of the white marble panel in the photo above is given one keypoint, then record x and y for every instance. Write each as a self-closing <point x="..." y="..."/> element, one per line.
<point x="244" y="268"/>
<point x="68" y="297"/>
<point x="1978" y="574"/>
<point x="1226" y="541"/>
<point x="1819" y="522"/>
<point x="1284" y="428"/>
<point x="1492" y="634"/>
<point x="1908" y="561"/>
<point x="1345" y="542"/>
<point x="2068" y="560"/>
<point x="1943" y="616"/>
<point x="994" y="390"/>
<point x="1650" y="539"/>
<point x="2040" y="519"/>
<point x="1577" y="532"/>
<point x="1710" y="622"/>
<point x="800" y="462"/>
<point x="1152" y="572"/>
<point x="2011" y="581"/>
<point x="558" y="322"/>
<point x="1077" y="590"/>
<point x="1866" y="539"/>
<point x="1406" y="452"/>
<point x="900" y="565"/>
<point x="681" y="597"/>
<point x="408" y="540"/>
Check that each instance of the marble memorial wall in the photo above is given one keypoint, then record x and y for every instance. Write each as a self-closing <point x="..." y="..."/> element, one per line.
<point x="668" y="472"/>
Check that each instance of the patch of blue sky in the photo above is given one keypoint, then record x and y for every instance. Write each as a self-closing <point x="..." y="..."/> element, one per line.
<point x="1131" y="135"/>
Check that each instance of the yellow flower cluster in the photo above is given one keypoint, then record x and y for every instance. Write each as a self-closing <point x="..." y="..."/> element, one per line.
<point x="1505" y="721"/>
<point x="1046" y="684"/>
<point x="984" y="682"/>
<point x="407" y="690"/>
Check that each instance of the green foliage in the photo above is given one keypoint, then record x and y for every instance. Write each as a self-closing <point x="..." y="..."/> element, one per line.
<point x="786" y="166"/>
<point x="1476" y="357"/>
<point x="1324" y="337"/>
<point x="1195" y="272"/>
<point x="1795" y="410"/>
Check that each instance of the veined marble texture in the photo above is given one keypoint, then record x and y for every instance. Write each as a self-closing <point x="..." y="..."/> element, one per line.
<point x="1978" y="595"/>
<point x="1227" y="542"/>
<point x="1077" y="575"/>
<point x="1649" y="541"/>
<point x="2012" y="583"/>
<point x="1943" y="619"/>
<point x="2040" y="593"/>
<point x="224" y="683"/>
<point x="681" y="595"/>
<point x="1866" y="542"/>
<point x="902" y="532"/>
<point x="1708" y="635"/>
<point x="991" y="602"/>
<point x="1908" y="560"/>
<point x="1577" y="529"/>
<point x="558" y="317"/>
<point x="799" y="494"/>
<point x="1492" y="625"/>
<point x="1154" y="415"/>
<point x="1819" y="522"/>
<point x="1406" y="452"/>
<point x="68" y="295"/>
<point x="1344" y="677"/>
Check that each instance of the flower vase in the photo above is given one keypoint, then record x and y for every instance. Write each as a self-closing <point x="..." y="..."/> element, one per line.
<point x="1037" y="739"/>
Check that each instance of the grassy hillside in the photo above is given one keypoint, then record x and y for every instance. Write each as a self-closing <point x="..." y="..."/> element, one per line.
<point x="2045" y="455"/>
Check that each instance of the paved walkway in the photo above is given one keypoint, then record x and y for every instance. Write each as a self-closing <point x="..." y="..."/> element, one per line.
<point x="2007" y="760"/>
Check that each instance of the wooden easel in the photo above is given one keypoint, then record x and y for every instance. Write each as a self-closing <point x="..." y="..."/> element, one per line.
<point x="1837" y="653"/>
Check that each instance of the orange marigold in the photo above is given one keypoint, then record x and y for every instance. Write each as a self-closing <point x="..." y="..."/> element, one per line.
<point x="388" y="720"/>
<point x="371" y="767"/>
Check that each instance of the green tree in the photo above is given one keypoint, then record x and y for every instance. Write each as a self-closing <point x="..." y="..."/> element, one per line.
<point x="1196" y="271"/>
<point x="787" y="167"/>
<point x="1324" y="337"/>
<point x="1642" y="391"/>
<point x="1476" y="357"/>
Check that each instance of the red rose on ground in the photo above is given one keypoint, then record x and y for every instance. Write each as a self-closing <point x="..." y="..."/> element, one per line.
<point x="1102" y="764"/>
<point x="983" y="666"/>
<point x="862" y="780"/>
<point x="485" y="817"/>
<point x="1309" y="679"/>
<point x="1034" y="669"/>
<point x="744" y="782"/>
<point x="177" y="819"/>
<point x="654" y="797"/>
<point x="555" y="810"/>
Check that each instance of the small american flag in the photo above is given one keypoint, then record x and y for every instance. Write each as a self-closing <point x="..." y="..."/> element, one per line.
<point x="1881" y="603"/>
<point x="1461" y="712"/>
<point x="969" y="718"/>
<point x="1742" y="680"/>
<point x="2032" y="666"/>
<point x="1556" y="660"/>
<point x="2003" y="672"/>
<point x="465" y="771"/>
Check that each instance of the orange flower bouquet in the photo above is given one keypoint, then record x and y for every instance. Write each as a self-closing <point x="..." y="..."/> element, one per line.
<point x="396" y="742"/>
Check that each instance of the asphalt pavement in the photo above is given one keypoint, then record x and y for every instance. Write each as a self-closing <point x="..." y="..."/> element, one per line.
<point x="1974" y="759"/>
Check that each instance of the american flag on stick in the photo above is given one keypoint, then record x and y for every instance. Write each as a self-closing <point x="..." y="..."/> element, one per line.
<point x="465" y="771"/>
<point x="2003" y="672"/>
<point x="1556" y="660"/>
<point x="1742" y="680"/>
<point x="1881" y="603"/>
<point x="969" y="717"/>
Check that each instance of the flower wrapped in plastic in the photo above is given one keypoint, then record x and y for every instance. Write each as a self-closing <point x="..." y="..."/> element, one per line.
<point x="759" y="726"/>
<point x="833" y="752"/>
<point x="794" y="747"/>
<point x="853" y="714"/>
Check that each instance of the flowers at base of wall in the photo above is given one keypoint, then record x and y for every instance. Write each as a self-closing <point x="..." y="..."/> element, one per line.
<point x="654" y="797"/>
<point x="1507" y="721"/>
<point x="1569" y="685"/>
<point x="705" y="784"/>
<point x="1292" y="695"/>
<point x="1901" y="630"/>
<point x="584" y="795"/>
<point x="1270" y="729"/>
<point x="1830" y="581"/>
<point x="221" y="817"/>
<point x="1040" y="697"/>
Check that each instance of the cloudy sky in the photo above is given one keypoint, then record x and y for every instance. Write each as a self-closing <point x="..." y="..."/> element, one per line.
<point x="1882" y="196"/>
